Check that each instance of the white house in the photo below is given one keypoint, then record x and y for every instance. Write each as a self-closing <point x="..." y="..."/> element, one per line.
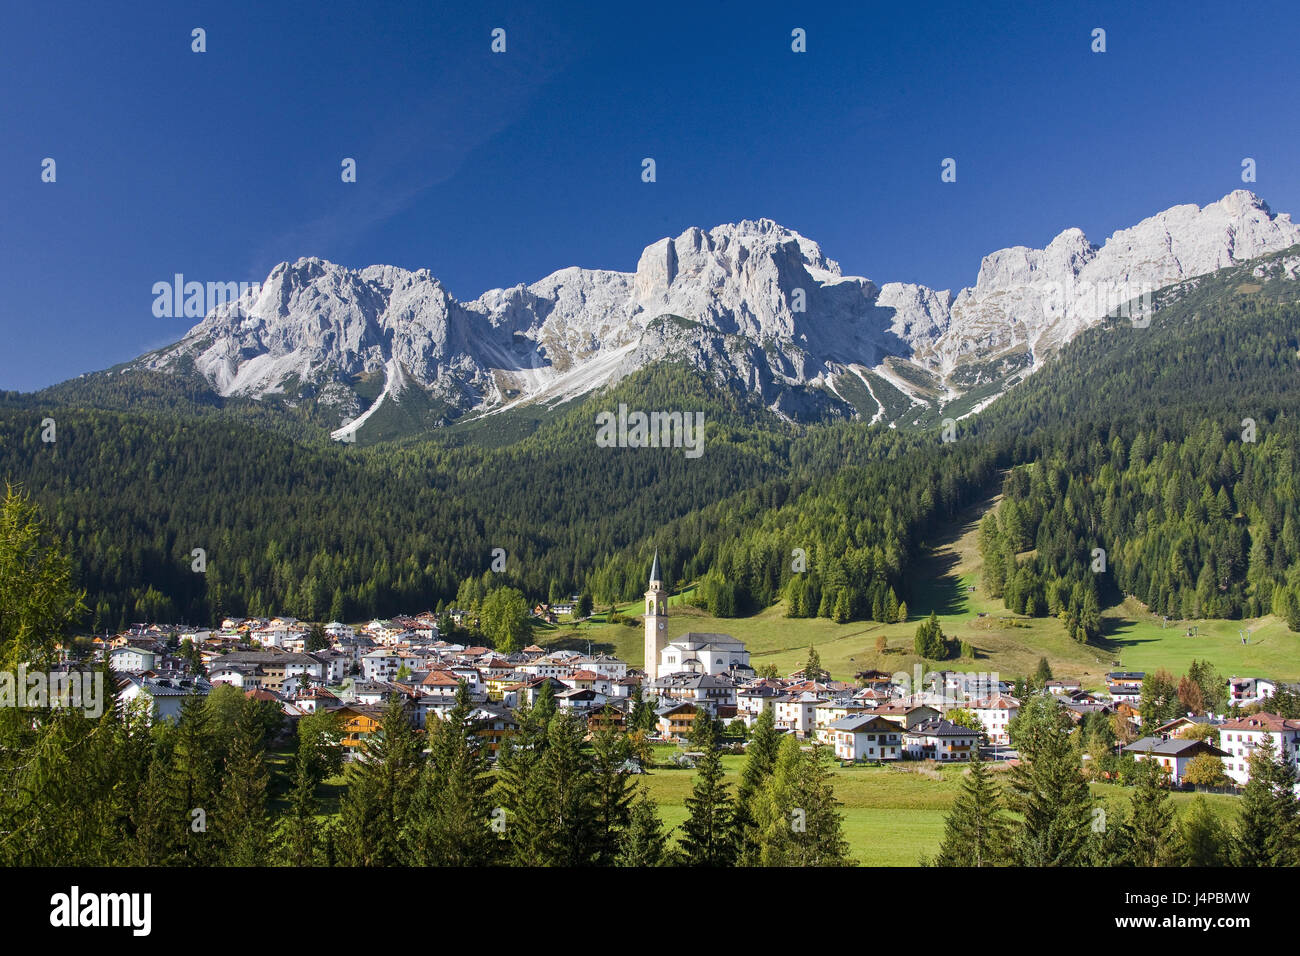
<point x="1172" y="753"/>
<point x="995" y="716"/>
<point x="864" y="737"/>
<point x="1241" y="736"/>
<point x="381" y="665"/>
<point x="1243" y="691"/>
<point x="939" y="739"/>
<point x="796" y="712"/>
<point x="132" y="660"/>
<point x="165" y="697"/>
<point x="338" y="630"/>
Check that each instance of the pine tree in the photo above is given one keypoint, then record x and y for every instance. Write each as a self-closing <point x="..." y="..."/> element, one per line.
<point x="298" y="836"/>
<point x="1267" y="824"/>
<point x="1048" y="790"/>
<point x="709" y="835"/>
<point x="643" y="843"/>
<point x="613" y="792"/>
<point x="242" y="820"/>
<point x="1152" y="834"/>
<point x="977" y="831"/>
<point x="382" y="783"/>
<point x="797" y="818"/>
<point x="450" y="823"/>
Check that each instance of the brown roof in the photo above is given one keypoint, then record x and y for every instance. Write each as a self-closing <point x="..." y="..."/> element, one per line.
<point x="1272" y="723"/>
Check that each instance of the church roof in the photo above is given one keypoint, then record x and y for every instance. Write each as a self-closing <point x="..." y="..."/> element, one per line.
<point x="695" y="640"/>
<point x="654" y="569"/>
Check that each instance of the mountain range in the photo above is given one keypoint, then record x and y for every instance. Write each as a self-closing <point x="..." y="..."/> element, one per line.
<point x="756" y="305"/>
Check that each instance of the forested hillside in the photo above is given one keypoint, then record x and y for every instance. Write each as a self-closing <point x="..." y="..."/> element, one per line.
<point x="1173" y="449"/>
<point x="1131" y="441"/>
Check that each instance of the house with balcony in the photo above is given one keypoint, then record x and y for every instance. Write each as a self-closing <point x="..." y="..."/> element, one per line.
<point x="859" y="737"/>
<point x="941" y="740"/>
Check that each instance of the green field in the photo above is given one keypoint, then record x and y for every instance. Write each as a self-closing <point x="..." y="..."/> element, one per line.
<point x="893" y="815"/>
<point x="1005" y="643"/>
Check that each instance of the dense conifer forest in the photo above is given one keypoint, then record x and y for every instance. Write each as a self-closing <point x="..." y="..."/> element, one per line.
<point x="1170" y="448"/>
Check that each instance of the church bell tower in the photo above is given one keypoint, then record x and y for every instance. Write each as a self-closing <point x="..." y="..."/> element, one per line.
<point x="656" y="621"/>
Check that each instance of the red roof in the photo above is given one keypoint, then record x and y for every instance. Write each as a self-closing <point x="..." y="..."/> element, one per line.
<point x="1272" y="723"/>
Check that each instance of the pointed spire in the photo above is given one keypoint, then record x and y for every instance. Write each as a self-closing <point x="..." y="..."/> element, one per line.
<point x="654" y="568"/>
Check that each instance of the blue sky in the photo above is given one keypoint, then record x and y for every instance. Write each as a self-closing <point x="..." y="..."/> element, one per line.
<point x="491" y="169"/>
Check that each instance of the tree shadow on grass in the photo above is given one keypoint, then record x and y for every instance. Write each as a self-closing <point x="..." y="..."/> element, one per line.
<point x="1117" y="635"/>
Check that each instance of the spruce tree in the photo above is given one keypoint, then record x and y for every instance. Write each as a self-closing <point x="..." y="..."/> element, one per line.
<point x="450" y="823"/>
<point x="1266" y="833"/>
<point x="566" y="787"/>
<point x="184" y="792"/>
<point x="1048" y="790"/>
<point x="976" y="832"/>
<point x="798" y="819"/>
<point x="242" y="819"/>
<point x="709" y="835"/>
<point x="382" y="782"/>
<point x="517" y="791"/>
<point x="297" y="839"/>
<point x="760" y="760"/>
<point x="1152" y="834"/>
<point x="613" y="792"/>
<point x="643" y="843"/>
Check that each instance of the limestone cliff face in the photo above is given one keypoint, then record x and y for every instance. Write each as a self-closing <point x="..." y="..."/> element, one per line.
<point x="755" y="304"/>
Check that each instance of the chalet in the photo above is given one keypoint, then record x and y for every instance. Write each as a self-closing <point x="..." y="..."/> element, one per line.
<point x="491" y="725"/>
<point x="381" y="664"/>
<point x="864" y="737"/>
<point x="604" y="664"/>
<point x="707" y="690"/>
<point x="674" y="721"/>
<point x="906" y="716"/>
<point x="828" y="712"/>
<point x="580" y="699"/>
<point x="1173" y="754"/>
<point x="1179" y="726"/>
<point x="338" y="630"/>
<point x="938" y="739"/>
<point x="265" y="668"/>
<point x="1062" y="687"/>
<point x="606" y="717"/>
<point x="796" y="712"/>
<point x="358" y="723"/>
<point x="440" y="683"/>
<point x="1130" y="713"/>
<point x="525" y="692"/>
<point x="1125" y="686"/>
<point x="755" y="697"/>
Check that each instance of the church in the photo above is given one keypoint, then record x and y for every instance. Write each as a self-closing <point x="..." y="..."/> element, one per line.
<point x="692" y="653"/>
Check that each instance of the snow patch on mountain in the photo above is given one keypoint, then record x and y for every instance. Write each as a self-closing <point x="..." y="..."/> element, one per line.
<point x="754" y="304"/>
